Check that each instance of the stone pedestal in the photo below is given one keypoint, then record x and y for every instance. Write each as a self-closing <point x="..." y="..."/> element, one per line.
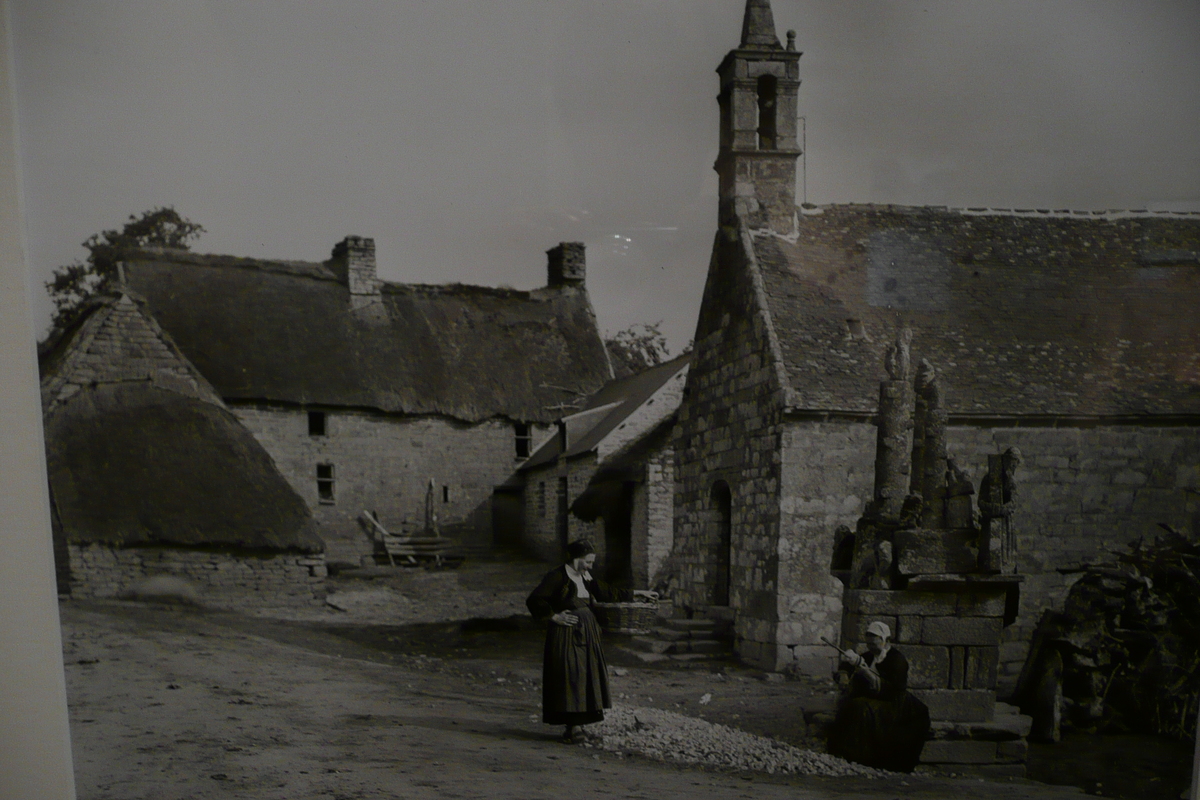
<point x="948" y="626"/>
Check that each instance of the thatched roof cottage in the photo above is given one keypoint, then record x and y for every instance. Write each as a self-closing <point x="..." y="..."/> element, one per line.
<point x="365" y="392"/>
<point x="150" y="473"/>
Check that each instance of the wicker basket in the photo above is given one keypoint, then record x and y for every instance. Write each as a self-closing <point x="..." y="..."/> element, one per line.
<point x="626" y="617"/>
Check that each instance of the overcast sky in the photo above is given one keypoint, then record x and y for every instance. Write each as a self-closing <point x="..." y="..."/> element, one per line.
<point x="467" y="137"/>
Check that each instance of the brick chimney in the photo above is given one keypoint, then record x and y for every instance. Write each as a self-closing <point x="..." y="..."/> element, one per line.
<point x="566" y="265"/>
<point x="353" y="261"/>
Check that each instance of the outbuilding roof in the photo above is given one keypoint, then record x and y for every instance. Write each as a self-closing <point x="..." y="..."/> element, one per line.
<point x="619" y="413"/>
<point x="1030" y="313"/>
<point x="286" y="332"/>
<point x="141" y="451"/>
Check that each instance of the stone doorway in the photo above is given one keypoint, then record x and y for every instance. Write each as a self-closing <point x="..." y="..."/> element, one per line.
<point x="721" y="542"/>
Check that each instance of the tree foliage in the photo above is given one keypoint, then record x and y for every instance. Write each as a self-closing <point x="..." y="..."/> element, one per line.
<point x="638" y="347"/>
<point x="74" y="283"/>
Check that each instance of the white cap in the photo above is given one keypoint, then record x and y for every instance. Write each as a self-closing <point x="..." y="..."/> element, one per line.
<point x="880" y="629"/>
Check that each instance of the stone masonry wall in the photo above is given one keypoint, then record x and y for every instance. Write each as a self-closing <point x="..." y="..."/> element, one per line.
<point x="384" y="463"/>
<point x="653" y="531"/>
<point x="660" y="511"/>
<point x="223" y="580"/>
<point x="1082" y="492"/>
<point x="122" y="344"/>
<point x="826" y="480"/>
<point x="541" y="538"/>
<point x="729" y="431"/>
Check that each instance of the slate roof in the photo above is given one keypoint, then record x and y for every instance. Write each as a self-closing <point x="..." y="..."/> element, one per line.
<point x="1022" y="313"/>
<point x="141" y="451"/>
<point x="283" y="331"/>
<point x="606" y="411"/>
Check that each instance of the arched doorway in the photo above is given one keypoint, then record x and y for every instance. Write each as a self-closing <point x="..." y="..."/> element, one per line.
<point x="721" y="542"/>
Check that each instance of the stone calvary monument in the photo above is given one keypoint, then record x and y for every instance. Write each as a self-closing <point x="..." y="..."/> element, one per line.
<point x="938" y="570"/>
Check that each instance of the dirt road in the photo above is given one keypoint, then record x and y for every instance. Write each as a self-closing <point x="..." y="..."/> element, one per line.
<point x="169" y="703"/>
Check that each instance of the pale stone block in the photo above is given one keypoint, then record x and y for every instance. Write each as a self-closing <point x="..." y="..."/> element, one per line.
<point x="961" y="630"/>
<point x="958" y="705"/>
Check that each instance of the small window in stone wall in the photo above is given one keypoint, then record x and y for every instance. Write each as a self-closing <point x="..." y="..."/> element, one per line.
<point x="445" y="494"/>
<point x="523" y="439"/>
<point x="541" y="499"/>
<point x="316" y="423"/>
<point x="325" y="484"/>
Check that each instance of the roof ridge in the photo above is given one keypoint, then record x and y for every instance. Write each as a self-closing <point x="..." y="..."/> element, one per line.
<point x="310" y="269"/>
<point x="451" y="288"/>
<point x="809" y="209"/>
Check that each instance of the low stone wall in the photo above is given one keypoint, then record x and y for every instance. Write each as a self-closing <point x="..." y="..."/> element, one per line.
<point x="222" y="579"/>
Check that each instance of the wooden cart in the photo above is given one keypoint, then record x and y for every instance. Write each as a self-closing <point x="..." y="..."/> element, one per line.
<point x="412" y="550"/>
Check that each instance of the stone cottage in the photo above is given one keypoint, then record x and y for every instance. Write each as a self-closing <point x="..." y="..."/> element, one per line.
<point x="1068" y="335"/>
<point x="608" y="475"/>
<point x="151" y="474"/>
<point x="412" y="401"/>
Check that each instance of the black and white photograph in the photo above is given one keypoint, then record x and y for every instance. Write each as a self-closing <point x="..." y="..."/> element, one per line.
<point x="629" y="399"/>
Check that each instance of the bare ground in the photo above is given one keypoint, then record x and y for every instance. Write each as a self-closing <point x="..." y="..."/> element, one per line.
<point x="174" y="702"/>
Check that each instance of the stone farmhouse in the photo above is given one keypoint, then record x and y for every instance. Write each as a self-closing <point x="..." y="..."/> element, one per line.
<point x="1071" y="336"/>
<point x="411" y="401"/>
<point x="608" y="475"/>
<point x="151" y="474"/>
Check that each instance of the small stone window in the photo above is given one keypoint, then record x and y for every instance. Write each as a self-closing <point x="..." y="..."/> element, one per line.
<point x="316" y="423"/>
<point x="325" y="484"/>
<point x="445" y="494"/>
<point x="855" y="329"/>
<point x="541" y="499"/>
<point x="524" y="439"/>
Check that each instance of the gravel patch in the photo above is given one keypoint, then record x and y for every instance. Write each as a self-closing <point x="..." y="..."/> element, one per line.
<point x="667" y="736"/>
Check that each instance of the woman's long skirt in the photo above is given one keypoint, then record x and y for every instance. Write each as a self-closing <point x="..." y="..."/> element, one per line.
<point x="880" y="733"/>
<point x="574" y="675"/>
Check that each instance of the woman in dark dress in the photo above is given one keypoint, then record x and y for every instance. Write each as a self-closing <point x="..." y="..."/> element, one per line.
<point x="574" y="674"/>
<point x="879" y="723"/>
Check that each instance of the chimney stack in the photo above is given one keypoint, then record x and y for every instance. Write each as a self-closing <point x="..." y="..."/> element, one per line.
<point x="566" y="265"/>
<point x="353" y="261"/>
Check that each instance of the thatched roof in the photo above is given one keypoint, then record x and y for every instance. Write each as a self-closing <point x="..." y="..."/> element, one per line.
<point x="1024" y="313"/>
<point x="132" y="464"/>
<point x="141" y="451"/>
<point x="286" y="332"/>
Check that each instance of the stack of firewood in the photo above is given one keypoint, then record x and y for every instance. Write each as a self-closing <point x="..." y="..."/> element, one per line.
<point x="1124" y="653"/>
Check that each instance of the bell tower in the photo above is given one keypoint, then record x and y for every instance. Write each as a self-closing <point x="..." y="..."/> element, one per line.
<point x="758" y="151"/>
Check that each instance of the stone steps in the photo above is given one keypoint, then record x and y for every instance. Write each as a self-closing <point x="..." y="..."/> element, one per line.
<point x="684" y="641"/>
<point x="996" y="748"/>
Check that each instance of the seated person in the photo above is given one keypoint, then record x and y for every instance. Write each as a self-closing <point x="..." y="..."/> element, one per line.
<point x="879" y="723"/>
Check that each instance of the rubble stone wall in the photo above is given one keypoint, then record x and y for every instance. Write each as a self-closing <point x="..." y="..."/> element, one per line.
<point x="222" y="580"/>
<point x="729" y="430"/>
<point x="384" y="463"/>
